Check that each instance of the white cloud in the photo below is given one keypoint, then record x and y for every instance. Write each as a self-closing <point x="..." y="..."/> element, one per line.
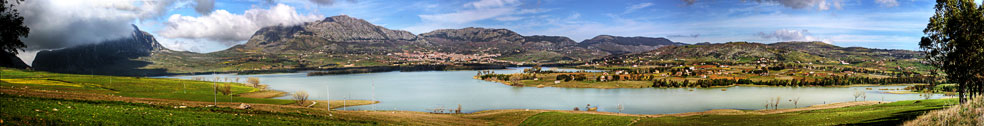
<point x="800" y="4"/>
<point x="28" y="56"/>
<point x="635" y="7"/>
<point x="480" y="10"/>
<point x="64" y="23"/>
<point x="508" y="18"/>
<point x="887" y="3"/>
<point x="790" y="35"/>
<point x="532" y="11"/>
<point x="59" y="24"/>
<point x="574" y="16"/>
<point x="467" y="15"/>
<point x="230" y="29"/>
<point x="500" y="10"/>
<point x="483" y="4"/>
<point x="323" y="2"/>
<point x="193" y="45"/>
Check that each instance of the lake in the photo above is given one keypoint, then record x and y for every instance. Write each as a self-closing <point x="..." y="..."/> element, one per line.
<point x="428" y="90"/>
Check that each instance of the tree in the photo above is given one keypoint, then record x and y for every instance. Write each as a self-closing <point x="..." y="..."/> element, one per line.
<point x="858" y="94"/>
<point x="253" y="81"/>
<point x="11" y="30"/>
<point x="226" y="89"/>
<point x="954" y="43"/>
<point x="11" y="27"/>
<point x="300" y="97"/>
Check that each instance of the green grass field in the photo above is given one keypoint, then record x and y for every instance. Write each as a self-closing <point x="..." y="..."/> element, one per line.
<point x="568" y="119"/>
<point x="163" y="88"/>
<point x="16" y="109"/>
<point x="882" y="114"/>
<point x="41" y="111"/>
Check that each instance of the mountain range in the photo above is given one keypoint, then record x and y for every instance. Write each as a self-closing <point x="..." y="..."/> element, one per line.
<point x="793" y="53"/>
<point x="346" y="42"/>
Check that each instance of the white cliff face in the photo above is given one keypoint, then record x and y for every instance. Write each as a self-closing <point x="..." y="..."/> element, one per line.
<point x="328" y="33"/>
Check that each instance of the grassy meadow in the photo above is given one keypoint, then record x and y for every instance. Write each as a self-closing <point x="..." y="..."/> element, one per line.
<point x="163" y="88"/>
<point x="42" y="111"/>
<point x="42" y="98"/>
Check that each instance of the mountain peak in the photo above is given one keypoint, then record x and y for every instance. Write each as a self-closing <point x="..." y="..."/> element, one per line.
<point x="475" y="34"/>
<point x="112" y="57"/>
<point x="319" y="34"/>
<point x="620" y="45"/>
<point x="341" y="18"/>
<point x="638" y="40"/>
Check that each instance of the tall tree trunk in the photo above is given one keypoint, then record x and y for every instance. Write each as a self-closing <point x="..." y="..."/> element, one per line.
<point x="960" y="91"/>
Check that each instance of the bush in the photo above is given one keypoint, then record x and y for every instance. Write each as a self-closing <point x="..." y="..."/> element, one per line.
<point x="564" y="77"/>
<point x="226" y="89"/>
<point x="967" y="114"/>
<point x="300" y="97"/>
<point x="253" y="81"/>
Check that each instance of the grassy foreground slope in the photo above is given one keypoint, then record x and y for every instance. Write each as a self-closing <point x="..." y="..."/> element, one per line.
<point x="42" y="111"/>
<point x="162" y="88"/>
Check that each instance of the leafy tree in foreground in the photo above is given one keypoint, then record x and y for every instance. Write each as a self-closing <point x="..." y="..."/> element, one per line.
<point x="954" y="43"/>
<point x="11" y="27"/>
<point x="11" y="30"/>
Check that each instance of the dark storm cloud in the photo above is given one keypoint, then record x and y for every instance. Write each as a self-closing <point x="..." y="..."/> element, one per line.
<point x="58" y="24"/>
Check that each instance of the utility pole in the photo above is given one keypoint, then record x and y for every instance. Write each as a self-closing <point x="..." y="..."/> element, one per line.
<point x="345" y="100"/>
<point x="328" y="99"/>
<point x="373" y="85"/>
<point x="215" y="100"/>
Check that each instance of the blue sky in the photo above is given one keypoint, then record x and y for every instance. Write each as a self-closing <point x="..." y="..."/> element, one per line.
<point x="213" y="25"/>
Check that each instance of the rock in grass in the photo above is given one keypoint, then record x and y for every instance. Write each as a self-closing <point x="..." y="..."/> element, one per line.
<point x="243" y="106"/>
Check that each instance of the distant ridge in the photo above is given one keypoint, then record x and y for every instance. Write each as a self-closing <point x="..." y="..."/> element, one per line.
<point x="622" y="45"/>
<point x="744" y="52"/>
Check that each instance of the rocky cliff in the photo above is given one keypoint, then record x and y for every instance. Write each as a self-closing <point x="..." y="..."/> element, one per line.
<point x="336" y="34"/>
<point x="114" y="57"/>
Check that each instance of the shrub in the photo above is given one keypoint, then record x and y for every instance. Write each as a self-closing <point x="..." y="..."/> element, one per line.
<point x="563" y="77"/>
<point x="226" y="89"/>
<point x="966" y="114"/>
<point x="300" y="97"/>
<point x="253" y="81"/>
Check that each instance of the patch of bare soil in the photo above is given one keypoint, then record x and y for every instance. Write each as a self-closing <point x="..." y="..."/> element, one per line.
<point x="262" y="94"/>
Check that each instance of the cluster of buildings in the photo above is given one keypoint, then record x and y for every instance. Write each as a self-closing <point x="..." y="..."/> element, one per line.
<point x="440" y="57"/>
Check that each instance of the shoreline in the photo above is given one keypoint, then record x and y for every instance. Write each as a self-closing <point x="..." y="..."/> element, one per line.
<point x="724" y="111"/>
<point x="404" y="117"/>
<point x="733" y="85"/>
<point x="341" y="70"/>
<point x="54" y="94"/>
